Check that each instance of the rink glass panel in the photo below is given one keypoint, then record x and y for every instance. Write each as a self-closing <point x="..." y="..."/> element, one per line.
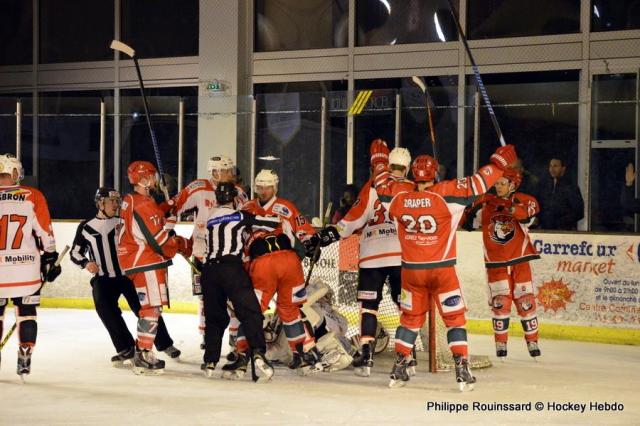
<point x="521" y="18"/>
<point x="136" y="140"/>
<point x="16" y="32"/>
<point x="296" y="25"/>
<point x="75" y="30"/>
<point x="69" y="150"/>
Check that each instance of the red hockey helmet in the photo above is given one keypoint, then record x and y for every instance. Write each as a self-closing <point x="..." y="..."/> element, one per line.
<point x="139" y="170"/>
<point x="424" y="168"/>
<point x="379" y="153"/>
<point x="514" y="176"/>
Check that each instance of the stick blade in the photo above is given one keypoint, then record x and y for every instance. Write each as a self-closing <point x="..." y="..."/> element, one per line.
<point x="121" y="47"/>
<point x="419" y="82"/>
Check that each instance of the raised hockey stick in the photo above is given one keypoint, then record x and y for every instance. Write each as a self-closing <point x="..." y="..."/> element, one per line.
<point x="127" y="50"/>
<point x="427" y="101"/>
<point x="476" y="73"/>
<point x="316" y="253"/>
<point x="13" y="327"/>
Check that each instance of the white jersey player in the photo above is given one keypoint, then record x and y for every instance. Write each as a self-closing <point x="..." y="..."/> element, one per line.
<point x="199" y="198"/>
<point x="28" y="254"/>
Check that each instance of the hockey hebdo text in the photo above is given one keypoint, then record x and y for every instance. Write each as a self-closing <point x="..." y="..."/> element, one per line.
<point x="548" y="406"/>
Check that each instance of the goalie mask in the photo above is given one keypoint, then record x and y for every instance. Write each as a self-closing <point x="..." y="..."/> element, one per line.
<point x="9" y="163"/>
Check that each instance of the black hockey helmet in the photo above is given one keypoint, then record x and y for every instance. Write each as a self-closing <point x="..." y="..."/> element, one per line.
<point x="226" y="192"/>
<point x="106" y="192"/>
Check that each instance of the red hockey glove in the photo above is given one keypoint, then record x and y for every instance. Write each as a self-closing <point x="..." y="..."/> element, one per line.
<point x="504" y="157"/>
<point x="379" y="152"/>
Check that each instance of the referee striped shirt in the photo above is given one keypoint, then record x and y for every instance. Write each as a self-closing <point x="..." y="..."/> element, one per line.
<point x="95" y="241"/>
<point x="225" y="228"/>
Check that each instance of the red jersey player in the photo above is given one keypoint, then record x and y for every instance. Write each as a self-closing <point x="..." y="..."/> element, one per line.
<point x="427" y="219"/>
<point x="145" y="249"/>
<point x="504" y="218"/>
<point x="276" y="267"/>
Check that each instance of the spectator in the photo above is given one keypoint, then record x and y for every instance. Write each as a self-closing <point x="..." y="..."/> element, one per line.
<point x="627" y="197"/>
<point x="530" y="181"/>
<point x="348" y="198"/>
<point x="561" y="202"/>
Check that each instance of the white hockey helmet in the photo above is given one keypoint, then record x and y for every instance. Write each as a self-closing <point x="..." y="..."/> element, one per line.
<point x="267" y="177"/>
<point x="220" y="162"/>
<point x="9" y="162"/>
<point x="400" y="157"/>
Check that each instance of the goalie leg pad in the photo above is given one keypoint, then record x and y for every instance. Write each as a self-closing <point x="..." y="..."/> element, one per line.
<point x="334" y="356"/>
<point x="26" y="319"/>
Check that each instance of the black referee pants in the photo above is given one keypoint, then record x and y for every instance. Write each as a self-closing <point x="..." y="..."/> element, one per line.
<point x="106" y="292"/>
<point x="222" y="281"/>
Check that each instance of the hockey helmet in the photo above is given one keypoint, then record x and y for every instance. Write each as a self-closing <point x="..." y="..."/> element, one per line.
<point x="106" y="192"/>
<point x="424" y="168"/>
<point x="514" y="176"/>
<point x="9" y="162"/>
<point x="267" y="177"/>
<point x="220" y="162"/>
<point x="400" y="157"/>
<point x="226" y="192"/>
<point x="139" y="170"/>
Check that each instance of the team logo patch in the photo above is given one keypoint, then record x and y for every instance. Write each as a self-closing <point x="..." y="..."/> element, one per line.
<point x="452" y="301"/>
<point x="502" y="228"/>
<point x="195" y="185"/>
<point x="367" y="295"/>
<point x="406" y="299"/>
<point x="281" y="210"/>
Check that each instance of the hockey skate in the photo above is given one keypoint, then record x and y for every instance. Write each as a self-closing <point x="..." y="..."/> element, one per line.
<point x="305" y="363"/>
<point x="263" y="370"/>
<point x="24" y="361"/>
<point x="146" y="363"/>
<point x="123" y="358"/>
<point x="363" y="362"/>
<point x="235" y="370"/>
<point x="412" y="363"/>
<point x="399" y="376"/>
<point x="208" y="368"/>
<point x="501" y="349"/>
<point x="464" y="378"/>
<point x="533" y="348"/>
<point x="232" y="356"/>
<point x="172" y="351"/>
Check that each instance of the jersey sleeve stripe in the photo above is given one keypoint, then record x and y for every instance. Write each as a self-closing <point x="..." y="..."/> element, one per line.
<point x="147" y="234"/>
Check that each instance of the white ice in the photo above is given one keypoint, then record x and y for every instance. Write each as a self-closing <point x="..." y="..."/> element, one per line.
<point x="72" y="382"/>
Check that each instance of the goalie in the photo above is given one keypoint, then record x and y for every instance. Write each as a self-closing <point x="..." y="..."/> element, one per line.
<point x="328" y="325"/>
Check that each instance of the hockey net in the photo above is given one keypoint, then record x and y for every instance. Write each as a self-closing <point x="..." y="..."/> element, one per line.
<point x="338" y="268"/>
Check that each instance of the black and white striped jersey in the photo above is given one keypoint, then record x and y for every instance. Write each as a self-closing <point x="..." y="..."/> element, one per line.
<point x="225" y="228"/>
<point x="95" y="241"/>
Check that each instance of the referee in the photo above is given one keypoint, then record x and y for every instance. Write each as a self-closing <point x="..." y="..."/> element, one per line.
<point x="225" y="279"/>
<point x="95" y="249"/>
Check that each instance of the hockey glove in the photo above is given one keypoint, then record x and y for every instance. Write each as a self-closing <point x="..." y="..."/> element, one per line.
<point x="328" y="236"/>
<point x="184" y="246"/>
<point x="310" y="245"/>
<point x="504" y="157"/>
<point x="379" y="152"/>
<point x="48" y="267"/>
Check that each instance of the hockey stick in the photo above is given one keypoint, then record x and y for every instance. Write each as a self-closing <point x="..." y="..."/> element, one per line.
<point x="476" y="73"/>
<point x="427" y="101"/>
<point x="127" y="50"/>
<point x="316" y="252"/>
<point x="13" y="327"/>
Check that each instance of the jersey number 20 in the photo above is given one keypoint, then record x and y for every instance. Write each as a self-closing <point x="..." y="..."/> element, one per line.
<point x="425" y="223"/>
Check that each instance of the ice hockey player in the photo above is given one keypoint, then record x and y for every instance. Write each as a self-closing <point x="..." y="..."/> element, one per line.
<point x="145" y="249"/>
<point x="197" y="199"/>
<point x="224" y="278"/>
<point x="28" y="252"/>
<point x="329" y="327"/>
<point x="379" y="257"/>
<point x="276" y="267"/>
<point x="504" y="218"/>
<point x="95" y="250"/>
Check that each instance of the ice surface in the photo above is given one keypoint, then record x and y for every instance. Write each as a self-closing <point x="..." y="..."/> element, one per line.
<point x="72" y="382"/>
